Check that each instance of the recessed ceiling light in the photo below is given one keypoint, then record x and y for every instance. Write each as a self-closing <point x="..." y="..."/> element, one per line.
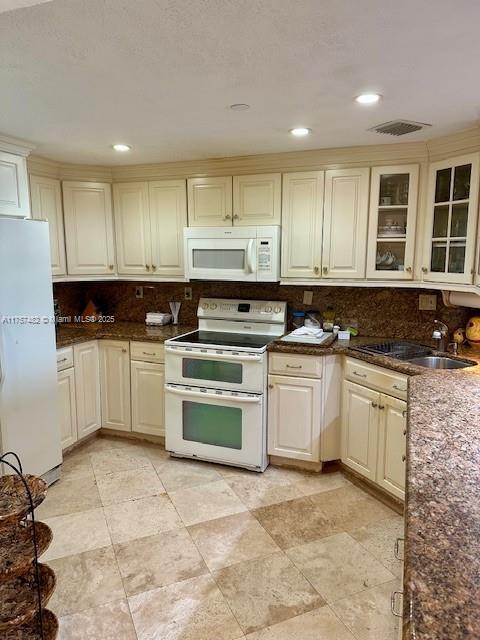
<point x="300" y="131"/>
<point x="122" y="147"/>
<point x="368" y="98"/>
<point x="240" y="106"/>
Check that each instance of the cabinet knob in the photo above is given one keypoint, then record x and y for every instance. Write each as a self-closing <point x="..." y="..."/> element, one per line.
<point x="270" y="386"/>
<point x="424" y="270"/>
<point x="236" y="217"/>
<point x="147" y="267"/>
<point x="154" y="267"/>
<point x="374" y="405"/>
<point x="408" y="269"/>
<point x="316" y="269"/>
<point x="404" y="432"/>
<point x="325" y="270"/>
<point x="124" y="351"/>
<point x="381" y="406"/>
<point x="404" y="457"/>
<point x="110" y="266"/>
<point x="227" y="217"/>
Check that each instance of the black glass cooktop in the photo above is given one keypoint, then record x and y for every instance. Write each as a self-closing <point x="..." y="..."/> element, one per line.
<point x="223" y="339"/>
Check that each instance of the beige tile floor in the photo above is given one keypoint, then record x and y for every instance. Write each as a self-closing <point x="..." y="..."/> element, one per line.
<point x="152" y="548"/>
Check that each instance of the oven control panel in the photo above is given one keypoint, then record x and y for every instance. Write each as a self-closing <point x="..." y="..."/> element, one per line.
<point x="226" y="309"/>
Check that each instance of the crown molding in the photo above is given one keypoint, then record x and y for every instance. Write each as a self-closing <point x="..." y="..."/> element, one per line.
<point x="465" y="141"/>
<point x="461" y="142"/>
<point x="15" y="145"/>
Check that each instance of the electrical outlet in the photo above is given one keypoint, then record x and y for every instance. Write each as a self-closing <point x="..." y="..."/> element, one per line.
<point x="427" y="302"/>
<point x="307" y="297"/>
<point x="138" y="292"/>
<point x="188" y="293"/>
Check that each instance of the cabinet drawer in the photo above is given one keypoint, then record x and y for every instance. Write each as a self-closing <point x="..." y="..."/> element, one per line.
<point x="383" y="380"/>
<point x="147" y="351"/>
<point x="295" y="365"/>
<point x="64" y="358"/>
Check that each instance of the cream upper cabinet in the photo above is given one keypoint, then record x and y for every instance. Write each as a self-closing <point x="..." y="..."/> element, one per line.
<point x="14" y="200"/>
<point x="210" y="202"/>
<point x="115" y="384"/>
<point x="257" y="199"/>
<point x="89" y="228"/>
<point x="168" y="217"/>
<point x="302" y="207"/>
<point x="294" y="417"/>
<point x="360" y="429"/>
<point x="392" y="445"/>
<point x="147" y="383"/>
<point x="132" y="228"/>
<point x="451" y="222"/>
<point x="46" y="197"/>
<point x="87" y="387"/>
<point x="345" y="223"/>
<point x="392" y="222"/>
<point x="67" y="407"/>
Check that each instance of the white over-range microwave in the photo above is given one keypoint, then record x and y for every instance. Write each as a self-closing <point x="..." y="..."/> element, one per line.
<point x="248" y="254"/>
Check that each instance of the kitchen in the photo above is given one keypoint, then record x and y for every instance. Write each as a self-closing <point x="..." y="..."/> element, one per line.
<point x="208" y="475"/>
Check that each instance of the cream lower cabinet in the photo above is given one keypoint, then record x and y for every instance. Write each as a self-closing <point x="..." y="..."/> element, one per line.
<point x="294" y="417"/>
<point x="147" y="384"/>
<point x="67" y="407"/>
<point x="87" y="388"/>
<point x="115" y="384"/>
<point x="392" y="445"/>
<point x="374" y="427"/>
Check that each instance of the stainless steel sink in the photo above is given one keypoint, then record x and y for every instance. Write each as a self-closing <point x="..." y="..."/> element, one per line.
<point x="440" y="362"/>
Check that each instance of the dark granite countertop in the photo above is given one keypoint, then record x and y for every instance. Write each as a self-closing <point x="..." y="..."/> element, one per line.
<point x="74" y="333"/>
<point x="442" y="512"/>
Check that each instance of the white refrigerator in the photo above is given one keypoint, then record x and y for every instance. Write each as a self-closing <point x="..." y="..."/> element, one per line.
<point x="29" y="423"/>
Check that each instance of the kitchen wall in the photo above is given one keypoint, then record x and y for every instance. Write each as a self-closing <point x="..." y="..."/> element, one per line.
<point x="385" y="312"/>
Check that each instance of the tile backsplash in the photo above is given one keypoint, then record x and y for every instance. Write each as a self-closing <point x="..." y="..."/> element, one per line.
<point x="386" y="312"/>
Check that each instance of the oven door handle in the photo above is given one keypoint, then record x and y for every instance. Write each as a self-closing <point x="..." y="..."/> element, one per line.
<point x="250" y="248"/>
<point x="214" y="396"/>
<point x="213" y="356"/>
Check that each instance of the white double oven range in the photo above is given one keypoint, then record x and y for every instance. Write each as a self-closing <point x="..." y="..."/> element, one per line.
<point x="216" y="383"/>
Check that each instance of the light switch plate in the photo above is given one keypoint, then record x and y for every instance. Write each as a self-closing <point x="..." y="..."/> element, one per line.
<point x="307" y="297"/>
<point x="138" y="292"/>
<point x="427" y="302"/>
<point x="188" y="293"/>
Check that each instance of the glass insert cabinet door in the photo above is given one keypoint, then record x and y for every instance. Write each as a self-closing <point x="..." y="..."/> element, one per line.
<point x="392" y="221"/>
<point x="452" y="222"/>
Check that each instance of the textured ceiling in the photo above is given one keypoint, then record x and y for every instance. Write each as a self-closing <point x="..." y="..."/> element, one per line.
<point x="79" y="75"/>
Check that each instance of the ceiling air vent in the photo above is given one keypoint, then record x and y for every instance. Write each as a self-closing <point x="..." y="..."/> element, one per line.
<point x="399" y="127"/>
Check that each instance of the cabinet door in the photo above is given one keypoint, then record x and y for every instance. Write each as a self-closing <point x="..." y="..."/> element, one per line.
<point x="302" y="224"/>
<point x="115" y="384"/>
<point x="391" y="231"/>
<point x="294" y="417"/>
<point x="87" y="388"/>
<point x="88" y="228"/>
<point x="132" y="228"/>
<point x="210" y="202"/>
<point x="14" y="199"/>
<point x="345" y="223"/>
<point x="46" y="195"/>
<point x="451" y="221"/>
<point x="148" y="395"/>
<point x="67" y="407"/>
<point x="257" y="199"/>
<point x="168" y="216"/>
<point x="392" y="445"/>
<point x="360" y="429"/>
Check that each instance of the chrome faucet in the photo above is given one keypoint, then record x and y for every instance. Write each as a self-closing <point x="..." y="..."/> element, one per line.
<point x="440" y="333"/>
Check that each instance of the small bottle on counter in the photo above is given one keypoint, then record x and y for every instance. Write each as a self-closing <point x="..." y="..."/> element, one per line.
<point x="298" y="319"/>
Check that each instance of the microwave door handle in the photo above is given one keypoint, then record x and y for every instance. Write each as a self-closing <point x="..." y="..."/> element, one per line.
<point x="250" y="251"/>
<point x="214" y="396"/>
<point x="212" y="356"/>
